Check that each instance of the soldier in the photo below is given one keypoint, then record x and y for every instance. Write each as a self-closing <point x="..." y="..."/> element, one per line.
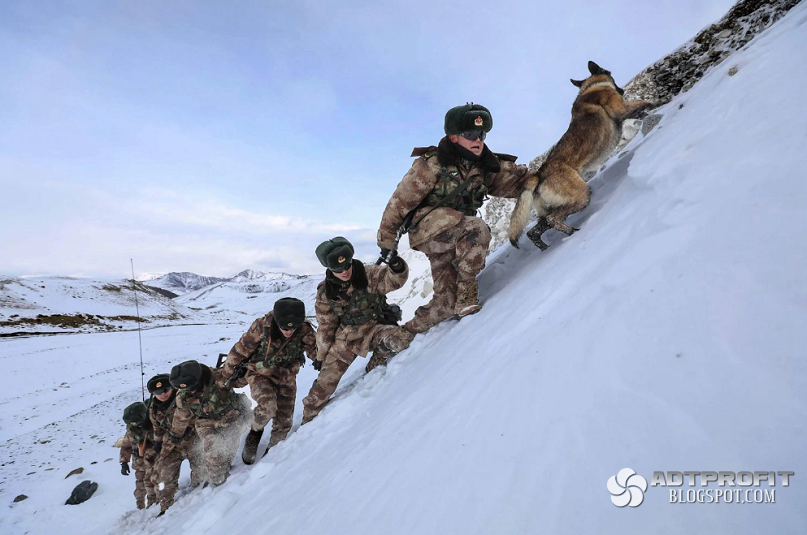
<point x="354" y="317"/>
<point x="443" y="190"/>
<point x="217" y="412"/>
<point x="269" y="356"/>
<point x="138" y="444"/>
<point x="161" y="414"/>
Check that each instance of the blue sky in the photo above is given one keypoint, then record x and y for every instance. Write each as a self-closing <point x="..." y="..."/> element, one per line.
<point x="217" y="136"/>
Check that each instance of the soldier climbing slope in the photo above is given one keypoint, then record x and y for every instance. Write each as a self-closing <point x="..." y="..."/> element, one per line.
<point x="161" y="414"/>
<point x="354" y="317"/>
<point x="138" y="445"/>
<point x="443" y="191"/>
<point x="219" y="415"/>
<point x="268" y="357"/>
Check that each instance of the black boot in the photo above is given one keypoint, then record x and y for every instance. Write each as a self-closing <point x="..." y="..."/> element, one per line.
<point x="251" y="446"/>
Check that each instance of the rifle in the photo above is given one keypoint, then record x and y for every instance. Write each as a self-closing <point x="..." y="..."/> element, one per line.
<point x="239" y="371"/>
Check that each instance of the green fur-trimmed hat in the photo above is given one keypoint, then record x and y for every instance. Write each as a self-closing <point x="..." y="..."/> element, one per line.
<point x="135" y="413"/>
<point x="158" y="382"/>
<point x="336" y="253"/>
<point x="289" y="313"/>
<point x="186" y="375"/>
<point x="468" y="117"/>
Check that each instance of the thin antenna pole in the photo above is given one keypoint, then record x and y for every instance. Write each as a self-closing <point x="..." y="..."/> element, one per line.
<point x="139" y="338"/>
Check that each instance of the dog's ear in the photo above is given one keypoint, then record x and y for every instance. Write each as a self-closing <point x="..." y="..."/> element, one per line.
<point x="593" y="68"/>
<point x="578" y="83"/>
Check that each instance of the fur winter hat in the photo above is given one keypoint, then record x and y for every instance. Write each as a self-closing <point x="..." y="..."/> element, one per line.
<point x="158" y="382"/>
<point x="135" y="413"/>
<point x="335" y="254"/>
<point x="289" y="312"/>
<point x="468" y="117"/>
<point x="186" y="375"/>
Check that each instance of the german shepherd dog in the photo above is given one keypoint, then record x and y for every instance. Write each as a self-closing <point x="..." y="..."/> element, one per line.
<point x="558" y="190"/>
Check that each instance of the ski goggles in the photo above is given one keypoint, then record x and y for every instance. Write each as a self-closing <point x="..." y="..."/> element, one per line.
<point x="163" y="390"/>
<point x="337" y="270"/>
<point x="471" y="135"/>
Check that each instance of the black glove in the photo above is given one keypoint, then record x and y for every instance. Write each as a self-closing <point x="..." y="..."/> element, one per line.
<point x="158" y="447"/>
<point x="124" y="469"/>
<point x="317" y="364"/>
<point x="392" y="259"/>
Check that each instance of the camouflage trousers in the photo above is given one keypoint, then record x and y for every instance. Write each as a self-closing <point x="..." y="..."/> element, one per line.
<point x="221" y="438"/>
<point x="457" y="254"/>
<point x="167" y="468"/>
<point x="338" y="360"/>
<point x="275" y="394"/>
<point x="145" y="492"/>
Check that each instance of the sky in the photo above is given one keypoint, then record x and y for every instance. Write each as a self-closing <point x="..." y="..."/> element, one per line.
<point x="213" y="137"/>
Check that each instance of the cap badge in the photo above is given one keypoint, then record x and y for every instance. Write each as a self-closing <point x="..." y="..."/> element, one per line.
<point x="182" y="385"/>
<point x="291" y="324"/>
<point x="479" y="121"/>
<point x="341" y="259"/>
<point x="159" y="384"/>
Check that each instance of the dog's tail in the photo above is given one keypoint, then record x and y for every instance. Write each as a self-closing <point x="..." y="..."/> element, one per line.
<point x="521" y="213"/>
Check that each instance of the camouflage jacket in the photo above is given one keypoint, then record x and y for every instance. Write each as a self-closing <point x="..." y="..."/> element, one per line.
<point x="212" y="402"/>
<point x="132" y="439"/>
<point x="495" y="174"/>
<point x="278" y="352"/>
<point x="366" y="278"/>
<point x="162" y="416"/>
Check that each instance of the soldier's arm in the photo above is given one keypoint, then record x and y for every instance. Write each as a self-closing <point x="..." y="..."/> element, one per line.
<point x="413" y="188"/>
<point x="509" y="181"/>
<point x="182" y="419"/>
<point x="158" y="431"/>
<point x="328" y="323"/>
<point x="309" y="340"/>
<point x="243" y="348"/>
<point x="126" y="448"/>
<point x="387" y="279"/>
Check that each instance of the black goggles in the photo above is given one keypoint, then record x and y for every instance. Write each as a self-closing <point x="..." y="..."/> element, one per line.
<point x="471" y="135"/>
<point x="342" y="270"/>
<point x="161" y="391"/>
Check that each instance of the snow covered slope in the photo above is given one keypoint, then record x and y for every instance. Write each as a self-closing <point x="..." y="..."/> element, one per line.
<point x="667" y="335"/>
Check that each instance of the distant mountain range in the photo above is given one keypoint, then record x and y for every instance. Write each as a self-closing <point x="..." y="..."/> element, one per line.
<point x="185" y="282"/>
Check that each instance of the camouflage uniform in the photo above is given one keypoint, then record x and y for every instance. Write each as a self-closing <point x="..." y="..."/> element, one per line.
<point x="219" y="415"/>
<point x="343" y="333"/>
<point x="453" y="238"/>
<point x="274" y="362"/>
<point x="143" y="465"/>
<point x="168" y="464"/>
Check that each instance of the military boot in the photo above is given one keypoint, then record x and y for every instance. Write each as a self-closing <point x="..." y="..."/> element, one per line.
<point x="467" y="299"/>
<point x="251" y="446"/>
<point x="381" y="355"/>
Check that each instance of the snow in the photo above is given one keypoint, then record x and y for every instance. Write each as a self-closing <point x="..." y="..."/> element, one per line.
<point x="666" y="335"/>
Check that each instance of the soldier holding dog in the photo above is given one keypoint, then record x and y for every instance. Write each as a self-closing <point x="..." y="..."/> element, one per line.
<point x="442" y="193"/>
<point x="268" y="357"/>
<point x="354" y="317"/>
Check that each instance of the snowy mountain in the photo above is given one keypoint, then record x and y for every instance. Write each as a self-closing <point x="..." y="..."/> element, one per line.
<point x="67" y="304"/>
<point x="183" y="282"/>
<point x="667" y="335"/>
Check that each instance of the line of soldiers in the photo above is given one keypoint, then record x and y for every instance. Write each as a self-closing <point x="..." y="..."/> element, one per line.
<point x="436" y="202"/>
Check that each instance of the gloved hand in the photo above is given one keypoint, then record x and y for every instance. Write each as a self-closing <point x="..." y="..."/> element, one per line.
<point x="388" y="258"/>
<point x="317" y="364"/>
<point x="158" y="447"/>
<point x="392" y="259"/>
<point x="124" y="469"/>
